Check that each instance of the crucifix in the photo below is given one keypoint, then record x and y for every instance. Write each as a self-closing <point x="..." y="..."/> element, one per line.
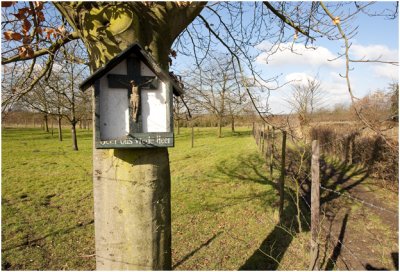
<point x="134" y="83"/>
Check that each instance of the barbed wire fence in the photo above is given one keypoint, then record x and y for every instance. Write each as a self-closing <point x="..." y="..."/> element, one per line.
<point x="266" y="138"/>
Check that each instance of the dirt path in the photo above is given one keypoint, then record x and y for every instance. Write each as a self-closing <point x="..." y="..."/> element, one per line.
<point x="386" y="209"/>
<point x="360" y="229"/>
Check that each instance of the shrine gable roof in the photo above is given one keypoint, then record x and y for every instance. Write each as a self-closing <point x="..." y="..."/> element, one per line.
<point x="145" y="57"/>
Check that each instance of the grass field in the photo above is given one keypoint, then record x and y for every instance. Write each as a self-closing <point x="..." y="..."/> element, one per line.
<point x="222" y="202"/>
<point x="47" y="210"/>
<point x="224" y="207"/>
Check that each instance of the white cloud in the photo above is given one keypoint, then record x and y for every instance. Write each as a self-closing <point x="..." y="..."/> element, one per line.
<point x="373" y="52"/>
<point x="377" y="52"/>
<point x="289" y="54"/>
<point x="333" y="87"/>
<point x="298" y="78"/>
<point x="305" y="64"/>
<point x="386" y="71"/>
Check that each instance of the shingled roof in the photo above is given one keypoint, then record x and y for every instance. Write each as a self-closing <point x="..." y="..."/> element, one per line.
<point x="143" y="56"/>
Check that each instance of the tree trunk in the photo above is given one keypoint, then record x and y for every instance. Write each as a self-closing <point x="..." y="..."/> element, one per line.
<point x="46" y="123"/>
<point x="178" y="127"/>
<point x="192" y="137"/>
<point x="219" y="126"/>
<point x="233" y="124"/>
<point x="60" y="137"/>
<point x="74" y="138"/>
<point x="131" y="186"/>
<point x="132" y="209"/>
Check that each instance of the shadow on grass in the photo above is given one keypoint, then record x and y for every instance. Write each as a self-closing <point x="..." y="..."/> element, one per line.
<point x="33" y="242"/>
<point x="395" y="259"/>
<point x="338" y="247"/>
<point x="206" y="243"/>
<point x="272" y="249"/>
<point x="341" y="177"/>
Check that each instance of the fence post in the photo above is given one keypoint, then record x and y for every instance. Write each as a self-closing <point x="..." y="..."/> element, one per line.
<point x="271" y="155"/>
<point x="282" y="178"/>
<point x="256" y="134"/>
<point x="192" y="136"/>
<point x="266" y="151"/>
<point x="351" y="145"/>
<point x="315" y="199"/>
<point x="263" y="139"/>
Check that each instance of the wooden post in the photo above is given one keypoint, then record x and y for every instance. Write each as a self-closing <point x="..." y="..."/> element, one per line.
<point x="315" y="199"/>
<point x="263" y="139"/>
<point x="282" y="177"/>
<point x="267" y="138"/>
<point x="351" y="145"/>
<point x="192" y="136"/>
<point x="60" y="138"/>
<point x="271" y="155"/>
<point x="256" y="134"/>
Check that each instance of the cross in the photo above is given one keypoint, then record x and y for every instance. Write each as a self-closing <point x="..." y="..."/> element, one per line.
<point x="134" y="82"/>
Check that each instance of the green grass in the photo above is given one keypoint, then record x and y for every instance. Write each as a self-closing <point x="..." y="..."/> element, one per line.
<point x="47" y="213"/>
<point x="222" y="202"/>
<point x="224" y="206"/>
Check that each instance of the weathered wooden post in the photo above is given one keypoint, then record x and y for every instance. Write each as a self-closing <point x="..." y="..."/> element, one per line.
<point x="60" y="138"/>
<point x="132" y="110"/>
<point x="315" y="199"/>
<point x="192" y="136"/>
<point x="271" y="155"/>
<point x="282" y="177"/>
<point x="263" y="139"/>
<point x="267" y="144"/>
<point x="256" y="134"/>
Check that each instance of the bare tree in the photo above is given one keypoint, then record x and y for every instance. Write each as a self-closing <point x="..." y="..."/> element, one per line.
<point x="394" y="101"/>
<point x="215" y="89"/>
<point x="236" y="103"/>
<point x="305" y="99"/>
<point x="379" y="106"/>
<point x="107" y="28"/>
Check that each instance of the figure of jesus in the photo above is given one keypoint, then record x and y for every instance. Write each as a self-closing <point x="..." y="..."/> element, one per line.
<point x="134" y="101"/>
